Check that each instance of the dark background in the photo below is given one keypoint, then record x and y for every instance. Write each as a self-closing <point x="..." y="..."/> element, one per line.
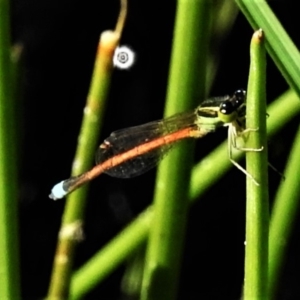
<point x="60" y="40"/>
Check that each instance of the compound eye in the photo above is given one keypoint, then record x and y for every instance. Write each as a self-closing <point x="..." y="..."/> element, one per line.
<point x="227" y="108"/>
<point x="240" y="96"/>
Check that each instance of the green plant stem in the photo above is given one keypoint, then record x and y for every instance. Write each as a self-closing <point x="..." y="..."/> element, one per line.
<point x="132" y="278"/>
<point x="257" y="210"/>
<point x="186" y="83"/>
<point x="278" y="43"/>
<point x="9" y="242"/>
<point x="223" y="18"/>
<point x="71" y="226"/>
<point x="284" y="216"/>
<point x="112" y="255"/>
<point x="215" y="165"/>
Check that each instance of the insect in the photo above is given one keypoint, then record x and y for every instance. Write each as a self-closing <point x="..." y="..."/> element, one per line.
<point x="132" y="151"/>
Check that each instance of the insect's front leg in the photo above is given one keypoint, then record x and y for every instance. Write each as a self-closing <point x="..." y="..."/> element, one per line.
<point x="242" y="133"/>
<point x="232" y="135"/>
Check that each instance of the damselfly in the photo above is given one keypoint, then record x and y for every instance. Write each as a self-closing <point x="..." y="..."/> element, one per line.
<point x="133" y="151"/>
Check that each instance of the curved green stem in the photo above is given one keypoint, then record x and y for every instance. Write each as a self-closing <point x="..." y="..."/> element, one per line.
<point x="278" y="43"/>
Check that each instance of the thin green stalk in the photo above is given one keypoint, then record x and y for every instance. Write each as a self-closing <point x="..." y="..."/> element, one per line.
<point x="257" y="209"/>
<point x="186" y="83"/>
<point x="133" y="275"/>
<point x="9" y="242"/>
<point x="224" y="14"/>
<point x="215" y="165"/>
<point x="71" y="227"/>
<point x="70" y="231"/>
<point x="278" y="43"/>
<point x="223" y="17"/>
<point x="111" y="255"/>
<point x="284" y="216"/>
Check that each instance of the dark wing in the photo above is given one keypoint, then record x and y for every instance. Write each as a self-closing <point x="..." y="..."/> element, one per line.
<point x="126" y="139"/>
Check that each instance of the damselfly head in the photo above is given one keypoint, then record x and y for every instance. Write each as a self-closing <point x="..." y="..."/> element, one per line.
<point x="240" y="95"/>
<point x="229" y="109"/>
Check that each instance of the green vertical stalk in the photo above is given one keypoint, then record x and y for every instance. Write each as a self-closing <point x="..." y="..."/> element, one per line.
<point x="111" y="255"/>
<point x="284" y="216"/>
<point x="186" y="82"/>
<point x="71" y="228"/>
<point x="223" y="18"/>
<point x="9" y="244"/>
<point x="257" y="216"/>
